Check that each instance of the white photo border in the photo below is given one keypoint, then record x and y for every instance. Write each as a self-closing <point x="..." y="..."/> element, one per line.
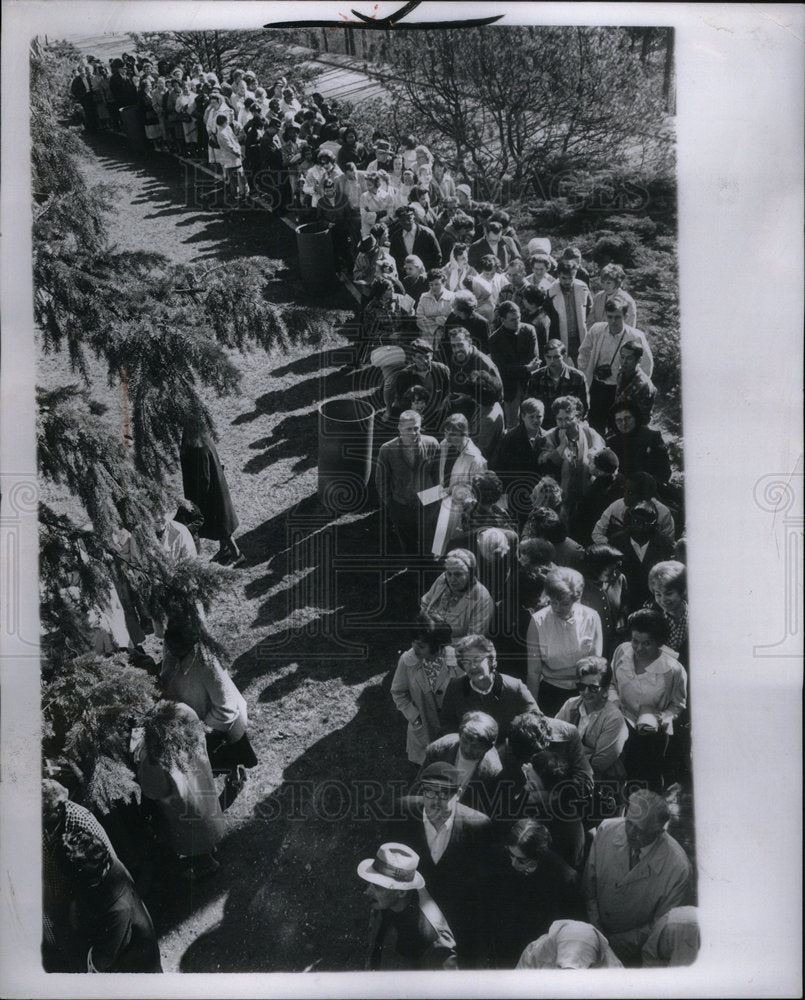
<point x="739" y="73"/>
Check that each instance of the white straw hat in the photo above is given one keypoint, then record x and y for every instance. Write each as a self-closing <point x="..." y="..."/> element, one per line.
<point x="394" y="867"/>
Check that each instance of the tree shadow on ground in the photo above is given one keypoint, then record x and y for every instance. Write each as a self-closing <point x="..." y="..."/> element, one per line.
<point x="348" y="327"/>
<point x="233" y="233"/>
<point x="294" y="898"/>
<point x="290" y="438"/>
<point x="324" y="385"/>
<point x="334" y="594"/>
<point x="337" y="355"/>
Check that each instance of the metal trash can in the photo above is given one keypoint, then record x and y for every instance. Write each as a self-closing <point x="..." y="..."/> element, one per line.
<point x="346" y="429"/>
<point x="314" y="245"/>
<point x="132" y="123"/>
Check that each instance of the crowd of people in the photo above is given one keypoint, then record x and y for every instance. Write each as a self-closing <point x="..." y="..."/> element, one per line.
<point x="545" y="691"/>
<point x="297" y="151"/>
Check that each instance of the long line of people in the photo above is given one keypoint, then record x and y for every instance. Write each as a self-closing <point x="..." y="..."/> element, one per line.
<point x="546" y="687"/>
<point x="545" y="690"/>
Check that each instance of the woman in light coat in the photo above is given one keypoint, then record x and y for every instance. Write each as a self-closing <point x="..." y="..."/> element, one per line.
<point x="420" y="680"/>
<point x="191" y="674"/>
<point x="157" y="95"/>
<point x="487" y="285"/>
<point x="599" y="721"/>
<point x="377" y="201"/>
<point x="173" y="769"/>
<point x="467" y="462"/>
<point x="229" y="156"/>
<point x="216" y="106"/>
<point x="650" y="686"/>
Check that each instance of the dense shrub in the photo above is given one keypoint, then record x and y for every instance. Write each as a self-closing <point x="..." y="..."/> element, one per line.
<point x="553" y="215"/>
<point x="615" y="248"/>
<point x="641" y="226"/>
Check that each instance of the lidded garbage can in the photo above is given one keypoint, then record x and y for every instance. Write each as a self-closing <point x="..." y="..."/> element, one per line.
<point x="314" y="245"/>
<point x="132" y="122"/>
<point x="346" y="429"/>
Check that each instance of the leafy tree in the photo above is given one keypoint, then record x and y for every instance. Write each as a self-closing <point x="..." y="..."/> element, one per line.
<point x="220" y="52"/>
<point x="520" y="100"/>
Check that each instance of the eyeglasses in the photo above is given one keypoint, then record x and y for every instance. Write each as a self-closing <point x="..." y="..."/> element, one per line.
<point x="438" y="793"/>
<point x="589" y="687"/>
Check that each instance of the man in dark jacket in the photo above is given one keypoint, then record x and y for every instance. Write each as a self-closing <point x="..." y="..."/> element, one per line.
<point x="268" y="178"/>
<point x="573" y="254"/>
<point x="464" y="315"/>
<point x="513" y="348"/>
<point x="433" y="376"/>
<point x="556" y="378"/>
<point x="495" y="243"/>
<point x="517" y="461"/>
<point x="643" y="547"/>
<point x="122" y="89"/>
<point x="465" y="359"/>
<point x="413" y="238"/>
<point x="606" y="487"/>
<point x="81" y="90"/>
<point x="453" y="844"/>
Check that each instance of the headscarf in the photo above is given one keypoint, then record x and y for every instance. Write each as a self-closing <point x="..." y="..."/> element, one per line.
<point x="569" y="944"/>
<point x="467" y="560"/>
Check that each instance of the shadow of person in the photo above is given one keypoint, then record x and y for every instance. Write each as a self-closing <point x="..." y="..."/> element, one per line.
<point x="294" y="899"/>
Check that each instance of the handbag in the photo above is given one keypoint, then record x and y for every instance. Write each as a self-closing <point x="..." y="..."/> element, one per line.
<point x="225" y="754"/>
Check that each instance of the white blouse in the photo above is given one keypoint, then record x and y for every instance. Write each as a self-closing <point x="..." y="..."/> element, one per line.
<point x="661" y="688"/>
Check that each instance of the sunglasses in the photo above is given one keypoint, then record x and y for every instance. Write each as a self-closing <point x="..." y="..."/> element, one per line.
<point x="589" y="687"/>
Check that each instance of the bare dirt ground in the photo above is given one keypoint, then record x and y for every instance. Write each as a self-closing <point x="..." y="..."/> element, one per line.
<point x="305" y="625"/>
